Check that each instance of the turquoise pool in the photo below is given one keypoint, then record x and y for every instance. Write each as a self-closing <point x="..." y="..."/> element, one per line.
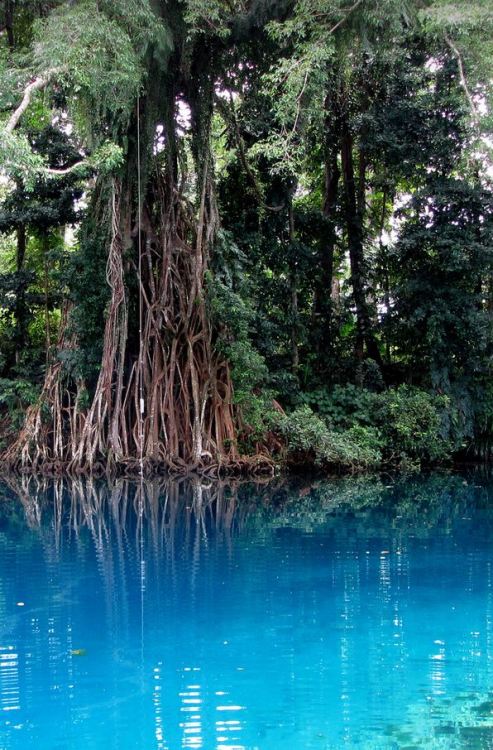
<point x="356" y="613"/>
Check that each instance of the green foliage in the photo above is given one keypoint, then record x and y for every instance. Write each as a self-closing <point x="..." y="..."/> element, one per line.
<point x="106" y="159"/>
<point x="85" y="278"/>
<point x="232" y="315"/>
<point x="208" y="16"/>
<point x="481" y="446"/>
<point x="468" y="25"/>
<point x="412" y="423"/>
<point x="413" y="426"/>
<point x="15" y="396"/>
<point x="96" y="51"/>
<point x="310" y="441"/>
<point x="343" y="406"/>
<point x="31" y="217"/>
<point x="45" y="203"/>
<point x="441" y="257"/>
<point x="323" y="44"/>
<point x="427" y="260"/>
<point x="92" y="56"/>
<point x="18" y="158"/>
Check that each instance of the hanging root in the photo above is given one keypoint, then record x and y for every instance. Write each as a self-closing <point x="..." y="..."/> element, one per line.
<point x="189" y="421"/>
<point x="52" y="425"/>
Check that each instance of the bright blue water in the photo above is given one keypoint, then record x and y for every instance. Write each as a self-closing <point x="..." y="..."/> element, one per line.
<point x="351" y="614"/>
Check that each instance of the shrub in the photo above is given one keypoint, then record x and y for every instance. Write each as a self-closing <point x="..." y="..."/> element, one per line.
<point x="15" y="397"/>
<point x="343" y="406"/>
<point x="354" y="428"/>
<point x="309" y="441"/>
<point x="412" y="425"/>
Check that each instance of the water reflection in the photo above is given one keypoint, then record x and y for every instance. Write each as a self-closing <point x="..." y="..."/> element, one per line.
<point x="238" y="616"/>
<point x="146" y="541"/>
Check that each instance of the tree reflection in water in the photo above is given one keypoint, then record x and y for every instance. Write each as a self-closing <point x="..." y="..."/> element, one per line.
<point x="162" y="550"/>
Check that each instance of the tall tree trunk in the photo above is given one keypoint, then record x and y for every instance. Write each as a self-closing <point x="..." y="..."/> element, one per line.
<point x="164" y="395"/>
<point x="46" y="292"/>
<point x="385" y="278"/>
<point x="354" y="212"/>
<point x="20" y="303"/>
<point x="323" y="297"/>
<point x="295" y="354"/>
<point x="9" y="23"/>
<point x="324" y="291"/>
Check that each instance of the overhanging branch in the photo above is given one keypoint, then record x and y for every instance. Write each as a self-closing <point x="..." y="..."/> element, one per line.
<point x="66" y="170"/>
<point x="37" y="84"/>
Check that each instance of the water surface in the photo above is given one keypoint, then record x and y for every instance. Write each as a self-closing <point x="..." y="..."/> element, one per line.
<point x="355" y="613"/>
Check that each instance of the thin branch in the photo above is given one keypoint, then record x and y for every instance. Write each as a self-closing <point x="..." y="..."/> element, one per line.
<point x="39" y="83"/>
<point x="229" y="116"/>
<point x="463" y="79"/>
<point x="348" y="13"/>
<point x="298" y="103"/>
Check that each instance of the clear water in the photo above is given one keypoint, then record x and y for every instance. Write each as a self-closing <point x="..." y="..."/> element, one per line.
<point x="349" y="614"/>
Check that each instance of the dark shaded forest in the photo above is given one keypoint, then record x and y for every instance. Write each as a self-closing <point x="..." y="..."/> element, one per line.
<point x="242" y="234"/>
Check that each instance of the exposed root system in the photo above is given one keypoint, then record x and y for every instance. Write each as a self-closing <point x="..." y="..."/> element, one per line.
<point x="163" y="401"/>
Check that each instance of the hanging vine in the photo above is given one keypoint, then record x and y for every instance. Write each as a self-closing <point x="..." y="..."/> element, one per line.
<point x="164" y="395"/>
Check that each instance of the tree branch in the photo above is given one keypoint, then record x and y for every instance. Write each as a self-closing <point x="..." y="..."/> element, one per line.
<point x="231" y="121"/>
<point x="463" y="79"/>
<point x="348" y="13"/>
<point x="66" y="170"/>
<point x="39" y="83"/>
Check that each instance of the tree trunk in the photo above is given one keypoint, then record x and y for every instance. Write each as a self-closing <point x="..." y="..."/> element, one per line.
<point x="9" y="23"/>
<point x="21" y="312"/>
<point x="295" y="354"/>
<point x="354" y="210"/>
<point x="164" y="397"/>
<point x="46" y="293"/>
<point x="323" y="297"/>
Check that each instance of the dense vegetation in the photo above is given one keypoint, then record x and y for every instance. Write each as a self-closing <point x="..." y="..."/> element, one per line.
<point x="241" y="232"/>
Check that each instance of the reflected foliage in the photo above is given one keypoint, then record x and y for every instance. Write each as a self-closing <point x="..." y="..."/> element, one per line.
<point x="174" y="512"/>
<point x="166" y="563"/>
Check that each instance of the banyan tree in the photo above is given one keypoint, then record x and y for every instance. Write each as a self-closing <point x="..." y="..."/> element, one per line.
<point x="135" y="81"/>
